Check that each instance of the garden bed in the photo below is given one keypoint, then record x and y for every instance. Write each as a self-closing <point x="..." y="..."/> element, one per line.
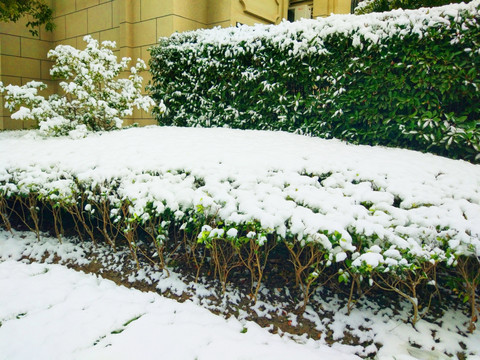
<point x="230" y="202"/>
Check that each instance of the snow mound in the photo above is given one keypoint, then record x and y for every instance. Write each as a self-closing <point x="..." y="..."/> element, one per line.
<point x="296" y="186"/>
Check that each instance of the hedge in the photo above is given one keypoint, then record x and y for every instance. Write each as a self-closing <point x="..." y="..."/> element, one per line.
<point x="342" y="215"/>
<point x="369" y="6"/>
<point x="403" y="78"/>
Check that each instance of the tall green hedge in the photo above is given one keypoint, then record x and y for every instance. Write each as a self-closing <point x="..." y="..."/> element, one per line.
<point x="404" y="78"/>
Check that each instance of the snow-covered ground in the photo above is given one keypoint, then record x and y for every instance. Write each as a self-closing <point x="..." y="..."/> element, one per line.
<point x="48" y="311"/>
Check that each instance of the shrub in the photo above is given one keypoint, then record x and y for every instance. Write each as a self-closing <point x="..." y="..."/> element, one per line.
<point x="405" y="78"/>
<point x="94" y="97"/>
<point x="371" y="218"/>
<point x="368" y="6"/>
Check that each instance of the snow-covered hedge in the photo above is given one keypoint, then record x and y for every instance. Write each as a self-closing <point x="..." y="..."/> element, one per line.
<point x="369" y="6"/>
<point x="322" y="207"/>
<point x="404" y="78"/>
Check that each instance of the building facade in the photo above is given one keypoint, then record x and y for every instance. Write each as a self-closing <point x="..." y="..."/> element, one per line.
<point x="135" y="25"/>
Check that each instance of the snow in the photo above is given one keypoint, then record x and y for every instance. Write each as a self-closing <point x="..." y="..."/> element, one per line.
<point x="293" y="185"/>
<point x="306" y="35"/>
<point x="50" y="312"/>
<point x="299" y="187"/>
<point x="371" y="259"/>
<point x="94" y="92"/>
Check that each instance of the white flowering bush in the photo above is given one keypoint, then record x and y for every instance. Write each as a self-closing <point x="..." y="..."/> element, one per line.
<point x="94" y="97"/>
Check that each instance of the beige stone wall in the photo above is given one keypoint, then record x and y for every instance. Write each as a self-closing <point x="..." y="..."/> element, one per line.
<point x="250" y="12"/>
<point x="219" y="13"/>
<point x="23" y="58"/>
<point x="76" y="18"/>
<point x="135" y="25"/>
<point x="327" y="7"/>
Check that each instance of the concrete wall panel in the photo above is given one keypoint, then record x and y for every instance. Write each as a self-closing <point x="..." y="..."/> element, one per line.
<point x="100" y="17"/>
<point x="77" y="24"/>
<point x="195" y="10"/>
<point x="219" y="11"/>
<point x="164" y="27"/>
<point x="60" y="29"/>
<point x="144" y="33"/>
<point x="83" y="4"/>
<point x="10" y="45"/>
<point x="267" y="10"/>
<point x="110" y="35"/>
<point x="181" y="24"/>
<point x="21" y="67"/>
<point x="63" y="7"/>
<point x="33" y="48"/>
<point x="150" y="9"/>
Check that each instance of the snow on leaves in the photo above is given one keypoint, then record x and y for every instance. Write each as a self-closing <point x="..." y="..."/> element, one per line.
<point x="426" y="213"/>
<point x="94" y="97"/>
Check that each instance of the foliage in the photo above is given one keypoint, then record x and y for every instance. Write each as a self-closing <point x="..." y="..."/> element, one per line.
<point x="405" y="79"/>
<point x="198" y="235"/>
<point x="13" y="10"/>
<point x="94" y="97"/>
<point x="369" y="6"/>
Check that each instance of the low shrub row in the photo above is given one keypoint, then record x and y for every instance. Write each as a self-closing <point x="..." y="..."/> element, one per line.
<point x="404" y="78"/>
<point x="333" y="223"/>
<point x="201" y="240"/>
